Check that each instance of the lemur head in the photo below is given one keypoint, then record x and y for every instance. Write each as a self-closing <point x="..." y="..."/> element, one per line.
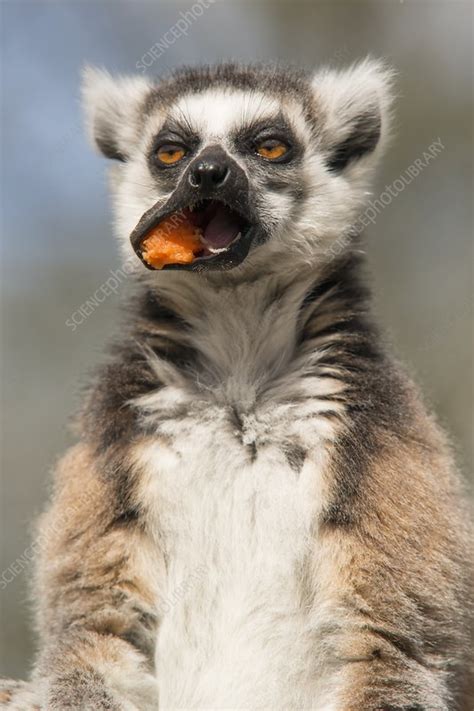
<point x="269" y="165"/>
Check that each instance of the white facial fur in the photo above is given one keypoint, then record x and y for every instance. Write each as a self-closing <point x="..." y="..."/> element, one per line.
<point x="301" y="231"/>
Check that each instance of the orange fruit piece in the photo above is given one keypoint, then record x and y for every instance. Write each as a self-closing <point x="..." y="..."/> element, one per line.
<point x="174" y="241"/>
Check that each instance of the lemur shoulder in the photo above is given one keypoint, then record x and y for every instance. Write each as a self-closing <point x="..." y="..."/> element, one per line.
<point x="259" y="512"/>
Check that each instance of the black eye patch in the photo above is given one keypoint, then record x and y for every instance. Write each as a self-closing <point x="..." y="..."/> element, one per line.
<point x="247" y="138"/>
<point x="172" y="134"/>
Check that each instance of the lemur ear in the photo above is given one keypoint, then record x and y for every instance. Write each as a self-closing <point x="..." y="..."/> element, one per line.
<point x="112" y="109"/>
<point x="355" y="104"/>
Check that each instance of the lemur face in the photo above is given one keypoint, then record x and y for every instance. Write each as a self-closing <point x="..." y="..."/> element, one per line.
<point x="230" y="161"/>
<point x="269" y="166"/>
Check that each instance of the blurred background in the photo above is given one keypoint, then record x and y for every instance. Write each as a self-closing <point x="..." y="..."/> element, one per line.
<point x="57" y="244"/>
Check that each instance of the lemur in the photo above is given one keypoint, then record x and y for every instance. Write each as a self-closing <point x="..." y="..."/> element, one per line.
<point x="259" y="512"/>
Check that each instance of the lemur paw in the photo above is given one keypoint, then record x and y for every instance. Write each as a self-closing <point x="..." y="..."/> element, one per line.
<point x="19" y="696"/>
<point x="81" y="690"/>
<point x="75" y="691"/>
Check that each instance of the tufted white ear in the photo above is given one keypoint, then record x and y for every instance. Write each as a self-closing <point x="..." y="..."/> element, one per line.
<point x="355" y="105"/>
<point x="112" y="109"/>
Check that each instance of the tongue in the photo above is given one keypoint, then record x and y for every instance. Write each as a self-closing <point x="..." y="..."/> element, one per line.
<point x="221" y="229"/>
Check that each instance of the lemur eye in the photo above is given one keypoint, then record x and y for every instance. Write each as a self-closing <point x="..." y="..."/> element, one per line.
<point x="168" y="154"/>
<point x="271" y="149"/>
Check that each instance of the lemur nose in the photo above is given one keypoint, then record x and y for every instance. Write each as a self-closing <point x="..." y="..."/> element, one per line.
<point x="208" y="174"/>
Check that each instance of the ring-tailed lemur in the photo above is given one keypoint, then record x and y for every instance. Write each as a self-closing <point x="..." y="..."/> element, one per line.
<point x="259" y="513"/>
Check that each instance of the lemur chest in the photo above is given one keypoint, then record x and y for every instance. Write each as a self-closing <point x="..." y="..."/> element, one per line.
<point x="236" y="497"/>
<point x="213" y="468"/>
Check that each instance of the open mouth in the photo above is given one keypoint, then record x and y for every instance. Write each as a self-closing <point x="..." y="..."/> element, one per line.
<point x="205" y="235"/>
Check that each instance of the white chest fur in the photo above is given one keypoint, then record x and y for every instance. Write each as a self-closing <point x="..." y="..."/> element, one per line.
<point x="235" y="518"/>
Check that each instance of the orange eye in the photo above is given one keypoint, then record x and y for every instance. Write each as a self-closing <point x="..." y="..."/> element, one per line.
<point x="272" y="149"/>
<point x="170" y="154"/>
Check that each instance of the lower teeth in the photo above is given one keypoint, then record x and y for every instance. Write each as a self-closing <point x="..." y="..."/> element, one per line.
<point x="215" y="250"/>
